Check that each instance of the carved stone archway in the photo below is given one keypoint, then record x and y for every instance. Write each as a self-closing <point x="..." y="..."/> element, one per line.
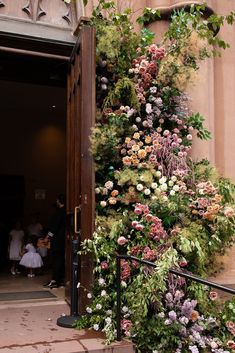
<point x="47" y="19"/>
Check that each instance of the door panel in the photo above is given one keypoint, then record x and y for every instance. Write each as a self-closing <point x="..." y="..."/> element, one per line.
<point x="80" y="169"/>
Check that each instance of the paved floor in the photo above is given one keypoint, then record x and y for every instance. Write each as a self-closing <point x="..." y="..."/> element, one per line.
<point x="29" y="326"/>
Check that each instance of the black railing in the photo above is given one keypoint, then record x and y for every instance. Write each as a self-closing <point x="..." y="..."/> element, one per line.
<point x="173" y="271"/>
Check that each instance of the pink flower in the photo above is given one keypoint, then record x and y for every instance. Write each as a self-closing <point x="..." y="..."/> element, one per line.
<point x="139" y="226"/>
<point x="104" y="265"/>
<point x="126" y="325"/>
<point x="109" y="185"/>
<point x="230" y="325"/>
<point x="231" y="344"/>
<point x="149" y="217"/>
<point x="213" y="295"/>
<point x="189" y="137"/>
<point x="136" y="250"/>
<point x="122" y="241"/>
<point x="125" y="270"/>
<point x="183" y="263"/>
<point x="138" y="210"/>
<point x="134" y="223"/>
<point x="229" y="212"/>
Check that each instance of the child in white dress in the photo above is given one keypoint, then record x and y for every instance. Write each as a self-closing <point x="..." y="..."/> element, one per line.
<point x="31" y="259"/>
<point x="16" y="244"/>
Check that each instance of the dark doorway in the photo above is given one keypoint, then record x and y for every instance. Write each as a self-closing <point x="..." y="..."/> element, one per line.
<point x="32" y="144"/>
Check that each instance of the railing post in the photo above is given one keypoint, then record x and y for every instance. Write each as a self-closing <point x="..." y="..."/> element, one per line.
<point x="118" y="286"/>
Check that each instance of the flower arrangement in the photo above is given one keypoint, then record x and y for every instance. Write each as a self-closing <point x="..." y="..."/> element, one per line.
<point x="153" y="201"/>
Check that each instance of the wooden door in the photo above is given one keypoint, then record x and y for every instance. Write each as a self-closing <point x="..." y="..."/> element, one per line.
<point x="80" y="169"/>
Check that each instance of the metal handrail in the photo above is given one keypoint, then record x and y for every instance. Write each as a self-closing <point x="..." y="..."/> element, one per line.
<point x="173" y="271"/>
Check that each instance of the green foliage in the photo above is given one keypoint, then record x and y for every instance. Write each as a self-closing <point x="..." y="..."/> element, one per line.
<point x="149" y="15"/>
<point x="196" y="121"/>
<point x="123" y="93"/>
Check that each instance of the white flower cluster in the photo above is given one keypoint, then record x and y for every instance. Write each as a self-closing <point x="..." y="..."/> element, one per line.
<point x="163" y="185"/>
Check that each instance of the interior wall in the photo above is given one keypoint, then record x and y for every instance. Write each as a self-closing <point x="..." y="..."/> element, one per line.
<point x="33" y="142"/>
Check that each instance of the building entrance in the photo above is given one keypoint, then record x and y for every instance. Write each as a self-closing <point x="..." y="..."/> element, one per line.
<point x="32" y="154"/>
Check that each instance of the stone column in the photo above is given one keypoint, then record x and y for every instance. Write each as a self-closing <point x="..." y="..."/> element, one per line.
<point x="224" y="71"/>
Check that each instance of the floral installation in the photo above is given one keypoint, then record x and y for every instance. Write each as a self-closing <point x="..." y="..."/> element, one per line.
<point x="153" y="201"/>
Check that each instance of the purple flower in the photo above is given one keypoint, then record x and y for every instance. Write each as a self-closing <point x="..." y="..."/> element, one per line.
<point x="183" y="320"/>
<point x="193" y="349"/>
<point x="187" y="307"/>
<point x="169" y="297"/>
<point x="172" y="315"/>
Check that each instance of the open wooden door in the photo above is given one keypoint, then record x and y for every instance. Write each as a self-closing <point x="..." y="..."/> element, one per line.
<point x="80" y="170"/>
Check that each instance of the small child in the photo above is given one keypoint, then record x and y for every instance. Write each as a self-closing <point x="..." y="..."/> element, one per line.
<point x="42" y="246"/>
<point x="31" y="259"/>
<point x="15" y="247"/>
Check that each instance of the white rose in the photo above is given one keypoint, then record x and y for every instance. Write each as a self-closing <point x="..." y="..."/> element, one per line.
<point x="88" y="310"/>
<point x="135" y="128"/>
<point x="124" y="309"/>
<point x="98" y="306"/>
<point x="89" y="295"/>
<point x="138" y="119"/>
<point x="157" y="191"/>
<point x="170" y="183"/>
<point x="103" y="293"/>
<point x="123" y="284"/>
<point x="172" y="192"/>
<point x="163" y="187"/>
<point x="176" y="188"/>
<point x="147" y="192"/>
<point x="109" y="185"/>
<point x="97" y="190"/>
<point x="162" y="180"/>
<point x="96" y="327"/>
<point x="139" y="187"/>
<point x="108" y="320"/>
<point x="101" y="281"/>
<point x="154" y="185"/>
<point x="165" y="198"/>
<point x="158" y="174"/>
<point x="103" y="203"/>
<point x="148" y="108"/>
<point x="173" y="178"/>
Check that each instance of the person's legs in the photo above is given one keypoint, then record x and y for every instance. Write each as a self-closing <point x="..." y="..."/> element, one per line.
<point x="13" y="267"/>
<point x="31" y="274"/>
<point x="58" y="267"/>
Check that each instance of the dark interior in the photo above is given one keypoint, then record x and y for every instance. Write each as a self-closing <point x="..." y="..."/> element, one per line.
<point x="33" y="139"/>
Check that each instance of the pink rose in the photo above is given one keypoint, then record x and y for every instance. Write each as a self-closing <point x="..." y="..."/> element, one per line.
<point x="134" y="223"/>
<point x="122" y="241"/>
<point x="104" y="265"/>
<point x="138" y="210"/>
<point x="231" y="344"/>
<point x="213" y="295"/>
<point x="139" y="226"/>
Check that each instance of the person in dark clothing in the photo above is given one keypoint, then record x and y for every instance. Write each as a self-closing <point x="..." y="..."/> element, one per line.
<point x="56" y="234"/>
